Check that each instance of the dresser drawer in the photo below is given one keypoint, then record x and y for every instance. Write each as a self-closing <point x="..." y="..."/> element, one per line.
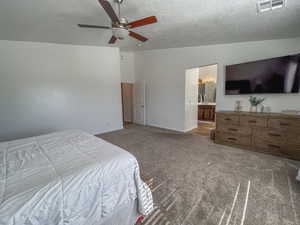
<point x="293" y="138"/>
<point x="228" y="119"/>
<point x="270" y="135"/>
<point x="253" y="121"/>
<point x="233" y="139"/>
<point x="239" y="130"/>
<point x="284" y="124"/>
<point x="292" y="151"/>
<point x="267" y="146"/>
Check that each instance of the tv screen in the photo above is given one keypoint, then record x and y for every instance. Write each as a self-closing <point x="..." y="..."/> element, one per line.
<point x="277" y="75"/>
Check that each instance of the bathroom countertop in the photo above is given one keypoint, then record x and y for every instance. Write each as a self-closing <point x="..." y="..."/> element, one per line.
<point x="203" y="103"/>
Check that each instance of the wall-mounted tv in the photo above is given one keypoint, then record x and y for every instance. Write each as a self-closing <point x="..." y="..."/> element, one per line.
<point x="276" y="75"/>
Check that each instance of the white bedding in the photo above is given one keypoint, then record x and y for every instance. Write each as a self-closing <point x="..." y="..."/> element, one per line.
<point x="68" y="177"/>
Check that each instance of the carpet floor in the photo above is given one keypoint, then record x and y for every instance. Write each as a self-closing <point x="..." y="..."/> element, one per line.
<point x="195" y="181"/>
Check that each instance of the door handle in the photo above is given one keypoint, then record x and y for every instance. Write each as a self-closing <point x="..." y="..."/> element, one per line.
<point x="274" y="135"/>
<point x="284" y="124"/>
<point x="274" y="146"/>
<point x="231" y="139"/>
<point x="232" y="129"/>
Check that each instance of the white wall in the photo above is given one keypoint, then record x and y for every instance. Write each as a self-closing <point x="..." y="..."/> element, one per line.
<point x="127" y="67"/>
<point x="164" y="72"/>
<point x="50" y="87"/>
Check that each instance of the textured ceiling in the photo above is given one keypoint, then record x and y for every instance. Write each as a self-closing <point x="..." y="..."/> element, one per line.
<point x="181" y="22"/>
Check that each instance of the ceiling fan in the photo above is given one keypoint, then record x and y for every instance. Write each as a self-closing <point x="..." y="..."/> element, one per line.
<point x="119" y="25"/>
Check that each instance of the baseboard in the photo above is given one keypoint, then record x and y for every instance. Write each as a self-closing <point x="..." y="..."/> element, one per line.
<point x="108" y="131"/>
<point x="164" y="127"/>
<point x="190" y="129"/>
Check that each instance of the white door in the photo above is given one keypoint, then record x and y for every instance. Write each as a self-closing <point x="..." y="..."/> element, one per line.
<point x="191" y="99"/>
<point x="140" y="103"/>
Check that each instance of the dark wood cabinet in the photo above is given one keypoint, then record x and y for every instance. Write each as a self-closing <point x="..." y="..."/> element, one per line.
<point x="206" y="112"/>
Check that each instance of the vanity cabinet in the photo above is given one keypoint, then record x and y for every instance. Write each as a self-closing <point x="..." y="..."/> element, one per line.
<point x="206" y="112"/>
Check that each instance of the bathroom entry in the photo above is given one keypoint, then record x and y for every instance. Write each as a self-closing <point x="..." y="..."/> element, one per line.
<point x="200" y="99"/>
<point x="207" y="93"/>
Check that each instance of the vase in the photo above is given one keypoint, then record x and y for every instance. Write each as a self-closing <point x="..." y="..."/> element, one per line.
<point x="238" y="106"/>
<point x="253" y="108"/>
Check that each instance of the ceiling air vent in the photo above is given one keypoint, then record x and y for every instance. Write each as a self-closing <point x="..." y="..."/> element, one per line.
<point x="267" y="5"/>
<point x="277" y="4"/>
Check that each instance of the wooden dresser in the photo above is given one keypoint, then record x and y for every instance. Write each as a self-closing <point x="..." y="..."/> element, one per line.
<point x="273" y="133"/>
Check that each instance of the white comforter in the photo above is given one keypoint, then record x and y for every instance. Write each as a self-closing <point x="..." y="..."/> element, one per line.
<point x="68" y="177"/>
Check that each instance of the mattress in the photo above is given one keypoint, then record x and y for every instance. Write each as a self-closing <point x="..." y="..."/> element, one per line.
<point x="68" y="177"/>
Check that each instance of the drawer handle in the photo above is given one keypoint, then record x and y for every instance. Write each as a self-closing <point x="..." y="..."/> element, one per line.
<point x="274" y="135"/>
<point x="232" y="139"/>
<point x="232" y="129"/>
<point x="284" y="124"/>
<point x="252" y="121"/>
<point x="227" y="119"/>
<point x="274" y="146"/>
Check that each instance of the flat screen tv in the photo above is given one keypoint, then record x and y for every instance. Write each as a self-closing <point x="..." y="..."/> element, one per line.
<point x="277" y="75"/>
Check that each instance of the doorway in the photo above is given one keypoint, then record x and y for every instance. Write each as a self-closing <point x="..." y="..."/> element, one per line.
<point x="127" y="102"/>
<point x="134" y="103"/>
<point x="201" y="90"/>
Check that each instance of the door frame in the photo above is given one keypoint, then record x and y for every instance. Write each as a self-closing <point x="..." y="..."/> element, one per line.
<point x="217" y="79"/>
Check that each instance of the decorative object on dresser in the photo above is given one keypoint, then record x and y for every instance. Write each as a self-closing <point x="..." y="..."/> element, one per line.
<point x="238" y="106"/>
<point x="255" y="102"/>
<point x="273" y="133"/>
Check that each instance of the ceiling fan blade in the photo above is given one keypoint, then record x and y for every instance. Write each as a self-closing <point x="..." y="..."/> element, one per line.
<point x="109" y="10"/>
<point x="143" y="22"/>
<point x="138" y="36"/>
<point x="93" y="26"/>
<point x="112" y="40"/>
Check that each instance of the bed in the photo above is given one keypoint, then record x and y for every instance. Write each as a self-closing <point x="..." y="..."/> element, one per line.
<point x="70" y="177"/>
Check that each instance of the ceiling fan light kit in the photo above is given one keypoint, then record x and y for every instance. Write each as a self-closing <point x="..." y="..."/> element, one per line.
<point x="120" y="27"/>
<point x="120" y="33"/>
<point x="119" y="1"/>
